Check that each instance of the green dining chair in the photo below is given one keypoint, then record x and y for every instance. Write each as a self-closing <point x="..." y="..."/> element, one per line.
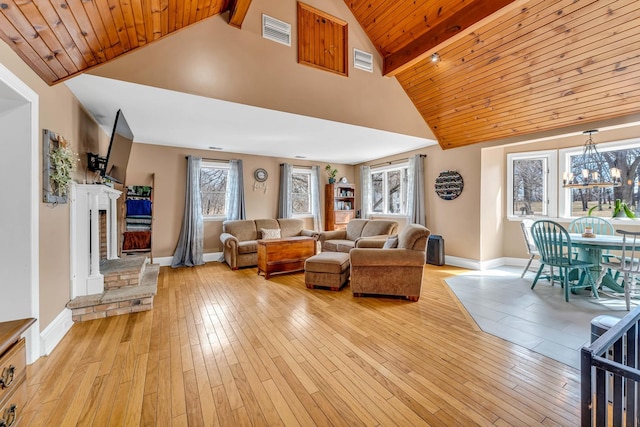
<point x="554" y="245"/>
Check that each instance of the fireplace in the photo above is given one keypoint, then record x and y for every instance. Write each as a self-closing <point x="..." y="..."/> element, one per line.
<point x="86" y="202"/>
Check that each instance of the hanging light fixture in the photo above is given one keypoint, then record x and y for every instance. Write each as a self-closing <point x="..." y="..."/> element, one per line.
<point x="591" y="165"/>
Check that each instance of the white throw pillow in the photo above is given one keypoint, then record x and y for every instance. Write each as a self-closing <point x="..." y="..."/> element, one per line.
<point x="270" y="233"/>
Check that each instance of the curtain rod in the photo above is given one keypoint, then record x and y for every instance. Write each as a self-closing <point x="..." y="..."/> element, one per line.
<point x="211" y="160"/>
<point x="298" y="166"/>
<point x="394" y="161"/>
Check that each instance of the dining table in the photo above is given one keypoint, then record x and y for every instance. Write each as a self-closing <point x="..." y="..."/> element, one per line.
<point x="591" y="249"/>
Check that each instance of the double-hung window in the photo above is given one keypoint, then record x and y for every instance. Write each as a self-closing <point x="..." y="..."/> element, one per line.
<point x="532" y="184"/>
<point x="213" y="189"/>
<point x="389" y="190"/>
<point x="301" y="191"/>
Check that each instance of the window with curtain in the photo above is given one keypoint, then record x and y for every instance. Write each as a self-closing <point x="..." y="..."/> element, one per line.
<point x="214" y="177"/>
<point x="389" y="189"/>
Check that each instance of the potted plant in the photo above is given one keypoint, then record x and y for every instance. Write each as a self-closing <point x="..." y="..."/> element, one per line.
<point x="331" y="173"/>
<point x="622" y="210"/>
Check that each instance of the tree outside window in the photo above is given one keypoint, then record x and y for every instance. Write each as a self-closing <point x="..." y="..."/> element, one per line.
<point x="627" y="160"/>
<point x="213" y="189"/>
<point x="301" y="192"/>
<point x="532" y="184"/>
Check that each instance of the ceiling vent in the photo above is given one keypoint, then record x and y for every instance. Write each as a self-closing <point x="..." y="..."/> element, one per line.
<point x="362" y="60"/>
<point x="276" y="30"/>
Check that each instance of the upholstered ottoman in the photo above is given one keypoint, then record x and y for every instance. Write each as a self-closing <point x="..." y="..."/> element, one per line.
<point x="327" y="270"/>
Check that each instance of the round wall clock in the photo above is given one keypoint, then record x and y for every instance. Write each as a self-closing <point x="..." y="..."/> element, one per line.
<point x="449" y="185"/>
<point x="260" y="175"/>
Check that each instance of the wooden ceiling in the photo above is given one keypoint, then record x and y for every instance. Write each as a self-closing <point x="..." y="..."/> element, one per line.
<point x="507" y="68"/>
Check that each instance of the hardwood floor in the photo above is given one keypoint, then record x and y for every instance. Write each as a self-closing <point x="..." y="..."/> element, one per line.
<point x="230" y="348"/>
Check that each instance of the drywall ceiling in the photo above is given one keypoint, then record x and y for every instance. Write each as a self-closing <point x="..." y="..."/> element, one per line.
<point x="164" y="117"/>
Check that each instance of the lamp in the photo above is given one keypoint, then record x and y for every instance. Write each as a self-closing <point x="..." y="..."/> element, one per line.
<point x="435" y="57"/>
<point x="591" y="164"/>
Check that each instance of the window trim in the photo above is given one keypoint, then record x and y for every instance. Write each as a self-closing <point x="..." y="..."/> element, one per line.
<point x="385" y="169"/>
<point x="306" y="171"/>
<point x="552" y="182"/>
<point x="213" y="164"/>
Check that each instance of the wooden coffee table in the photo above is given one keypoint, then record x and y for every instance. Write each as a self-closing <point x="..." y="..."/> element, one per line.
<point x="284" y="255"/>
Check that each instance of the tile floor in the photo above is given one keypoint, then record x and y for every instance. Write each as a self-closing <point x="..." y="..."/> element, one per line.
<point x="504" y="305"/>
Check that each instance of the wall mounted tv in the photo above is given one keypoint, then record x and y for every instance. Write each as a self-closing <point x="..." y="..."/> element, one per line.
<point x="114" y="166"/>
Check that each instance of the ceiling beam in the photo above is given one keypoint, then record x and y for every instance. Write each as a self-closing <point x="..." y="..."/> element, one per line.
<point x="420" y="47"/>
<point x="237" y="11"/>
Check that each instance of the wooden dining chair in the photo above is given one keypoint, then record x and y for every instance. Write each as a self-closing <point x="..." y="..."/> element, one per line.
<point x="554" y="244"/>
<point x="628" y="264"/>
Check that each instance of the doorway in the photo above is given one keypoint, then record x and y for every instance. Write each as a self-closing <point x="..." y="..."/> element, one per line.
<point x="19" y="185"/>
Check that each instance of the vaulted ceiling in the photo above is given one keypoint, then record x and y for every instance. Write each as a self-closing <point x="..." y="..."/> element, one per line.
<point x="506" y="68"/>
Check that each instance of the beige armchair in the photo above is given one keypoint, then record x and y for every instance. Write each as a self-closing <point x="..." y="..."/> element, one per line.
<point x="396" y="271"/>
<point x="375" y="231"/>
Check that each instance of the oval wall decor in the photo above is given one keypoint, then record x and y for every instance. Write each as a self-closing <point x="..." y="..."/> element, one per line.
<point x="449" y="185"/>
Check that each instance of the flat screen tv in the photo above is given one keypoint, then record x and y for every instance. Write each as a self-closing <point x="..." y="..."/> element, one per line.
<point x="119" y="150"/>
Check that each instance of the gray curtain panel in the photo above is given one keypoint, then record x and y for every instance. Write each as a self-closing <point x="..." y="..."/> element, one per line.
<point x="416" y="212"/>
<point x="365" y="191"/>
<point x="285" y="209"/>
<point x="235" y="208"/>
<point x="316" y="189"/>
<point x="190" y="243"/>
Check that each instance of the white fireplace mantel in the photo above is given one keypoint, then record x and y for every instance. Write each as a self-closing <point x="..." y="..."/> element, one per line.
<point x="86" y="201"/>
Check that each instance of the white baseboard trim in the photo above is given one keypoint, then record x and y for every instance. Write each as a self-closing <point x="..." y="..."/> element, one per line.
<point x="473" y="264"/>
<point x="208" y="257"/>
<point x="53" y="334"/>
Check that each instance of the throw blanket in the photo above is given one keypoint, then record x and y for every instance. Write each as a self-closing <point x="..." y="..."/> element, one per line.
<point x="136" y="240"/>
<point x="138" y="207"/>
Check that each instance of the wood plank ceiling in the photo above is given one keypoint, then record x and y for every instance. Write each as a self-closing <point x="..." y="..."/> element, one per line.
<point x="507" y="68"/>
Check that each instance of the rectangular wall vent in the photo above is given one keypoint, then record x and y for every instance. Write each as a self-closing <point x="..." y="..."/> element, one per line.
<point x="362" y="60"/>
<point x="276" y="30"/>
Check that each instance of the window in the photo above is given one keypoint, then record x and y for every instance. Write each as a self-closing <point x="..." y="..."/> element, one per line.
<point x="389" y="190"/>
<point x="532" y="184"/>
<point x="301" y="191"/>
<point x="623" y="155"/>
<point x="213" y="188"/>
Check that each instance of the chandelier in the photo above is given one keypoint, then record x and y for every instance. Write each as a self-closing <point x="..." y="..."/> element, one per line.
<point x="591" y="163"/>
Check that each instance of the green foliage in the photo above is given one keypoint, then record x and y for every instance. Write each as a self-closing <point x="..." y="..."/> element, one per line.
<point x="591" y="210"/>
<point x="621" y="206"/>
<point x="331" y="172"/>
<point x="63" y="163"/>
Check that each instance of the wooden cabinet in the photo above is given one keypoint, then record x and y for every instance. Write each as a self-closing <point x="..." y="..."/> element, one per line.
<point x="339" y="205"/>
<point x="13" y="372"/>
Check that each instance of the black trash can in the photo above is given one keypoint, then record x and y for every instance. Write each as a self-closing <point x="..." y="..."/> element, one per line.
<point x="435" y="250"/>
<point x="601" y="324"/>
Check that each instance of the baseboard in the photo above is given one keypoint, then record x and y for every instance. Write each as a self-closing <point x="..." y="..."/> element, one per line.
<point x="53" y="334"/>
<point x="473" y="264"/>
<point x="208" y="257"/>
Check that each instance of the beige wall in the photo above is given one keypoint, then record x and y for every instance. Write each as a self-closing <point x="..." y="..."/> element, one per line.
<point x="170" y="168"/>
<point x="254" y="71"/>
<point x="61" y="113"/>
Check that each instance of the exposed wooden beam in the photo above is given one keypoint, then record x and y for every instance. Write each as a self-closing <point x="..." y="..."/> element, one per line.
<point x="237" y="11"/>
<point x="454" y="25"/>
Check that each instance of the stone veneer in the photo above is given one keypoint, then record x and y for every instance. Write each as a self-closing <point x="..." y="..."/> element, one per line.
<point x="130" y="285"/>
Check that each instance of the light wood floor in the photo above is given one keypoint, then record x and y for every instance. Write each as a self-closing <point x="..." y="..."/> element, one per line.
<point x="230" y="348"/>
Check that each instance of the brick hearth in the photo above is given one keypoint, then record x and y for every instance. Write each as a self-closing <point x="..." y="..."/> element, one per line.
<point x="130" y="285"/>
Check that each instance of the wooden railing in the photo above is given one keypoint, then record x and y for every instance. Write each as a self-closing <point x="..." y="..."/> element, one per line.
<point x="610" y="376"/>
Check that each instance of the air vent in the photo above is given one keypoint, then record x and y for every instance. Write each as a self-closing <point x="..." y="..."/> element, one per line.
<point x="276" y="30"/>
<point x="362" y="60"/>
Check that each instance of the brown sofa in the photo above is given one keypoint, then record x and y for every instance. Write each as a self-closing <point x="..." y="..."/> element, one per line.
<point x="359" y="232"/>
<point x="239" y="238"/>
<point x="396" y="271"/>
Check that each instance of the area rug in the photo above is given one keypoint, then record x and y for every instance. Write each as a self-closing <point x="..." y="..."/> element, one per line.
<point x="504" y="305"/>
